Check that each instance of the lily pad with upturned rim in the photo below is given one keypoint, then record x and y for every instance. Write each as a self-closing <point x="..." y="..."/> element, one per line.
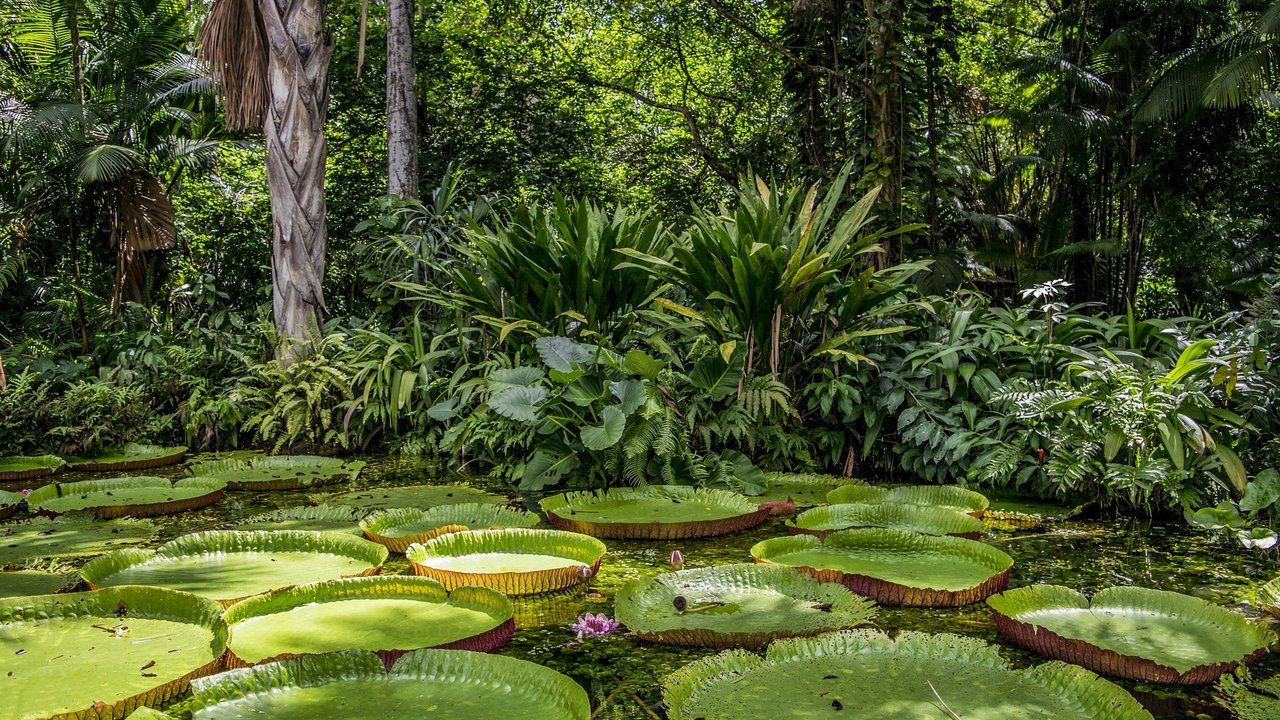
<point x="896" y="567"/>
<point x="655" y="512"/>
<point x="1131" y="632"/>
<point x="822" y="521"/>
<point x="130" y="456"/>
<point x="30" y="582"/>
<point x="515" y="561"/>
<point x="14" y="468"/>
<point x="952" y="497"/>
<point x="803" y="489"/>
<point x="413" y="496"/>
<point x="1011" y="511"/>
<point x="741" y="605"/>
<point x="354" y="685"/>
<point x="279" y="472"/>
<point x="69" y="536"/>
<point x="230" y="565"/>
<point x="125" y="497"/>
<point x="103" y="654"/>
<point x="869" y="675"/>
<point x="316" y="518"/>
<point x="388" y="614"/>
<point x="401" y="527"/>
<point x="9" y="503"/>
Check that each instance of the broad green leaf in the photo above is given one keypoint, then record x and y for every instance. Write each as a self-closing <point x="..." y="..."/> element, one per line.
<point x="608" y="432"/>
<point x="1232" y="466"/>
<point x="561" y="353"/>
<point x="519" y="403"/>
<point x="631" y="394"/>
<point x="585" y="390"/>
<point x="642" y="364"/>
<point x="1262" y="492"/>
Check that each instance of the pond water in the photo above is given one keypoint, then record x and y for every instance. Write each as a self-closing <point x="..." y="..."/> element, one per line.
<point x="623" y="675"/>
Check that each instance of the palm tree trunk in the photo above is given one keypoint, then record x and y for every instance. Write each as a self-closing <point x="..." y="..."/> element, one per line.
<point x="402" y="103"/>
<point x="298" y="98"/>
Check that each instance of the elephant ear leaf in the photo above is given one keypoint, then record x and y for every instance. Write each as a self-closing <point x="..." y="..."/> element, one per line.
<point x="562" y="354"/>
<point x="1262" y="492"/>
<point x="631" y="394"/>
<point x="519" y="403"/>
<point x="607" y="434"/>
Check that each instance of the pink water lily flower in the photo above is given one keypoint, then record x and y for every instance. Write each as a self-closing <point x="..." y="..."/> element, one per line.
<point x="592" y="626"/>
<point x="677" y="560"/>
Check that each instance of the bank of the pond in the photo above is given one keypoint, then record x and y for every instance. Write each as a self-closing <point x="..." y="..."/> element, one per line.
<point x="623" y="675"/>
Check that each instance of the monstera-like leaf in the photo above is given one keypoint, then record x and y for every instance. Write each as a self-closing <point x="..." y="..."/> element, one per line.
<point x="9" y="503"/>
<point x="402" y="527"/>
<point x="950" y="497"/>
<point x="896" y="567"/>
<point x="388" y="614"/>
<point x="69" y="536"/>
<point x="316" y="518"/>
<point x="126" y="497"/>
<point x="803" y="489"/>
<point x="102" y="654"/>
<point x="865" y="674"/>
<point x="655" y="512"/>
<point x="1131" y="632"/>
<point x="355" y="685"/>
<point x="130" y="456"/>
<point x="1010" y="511"/>
<point x="516" y="561"/>
<point x="279" y="472"/>
<point x="24" y="467"/>
<point x="737" y="606"/>
<point x="822" y="521"/>
<point x="413" y="496"/>
<point x="230" y="565"/>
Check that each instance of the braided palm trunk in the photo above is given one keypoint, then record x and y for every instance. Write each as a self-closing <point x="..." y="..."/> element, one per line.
<point x="298" y="50"/>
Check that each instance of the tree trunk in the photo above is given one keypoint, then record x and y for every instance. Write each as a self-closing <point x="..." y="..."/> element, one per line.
<point x="884" y="20"/>
<point x="298" y="98"/>
<point x="402" y="103"/>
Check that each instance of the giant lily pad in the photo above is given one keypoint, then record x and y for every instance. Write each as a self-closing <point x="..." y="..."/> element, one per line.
<point x="130" y="456"/>
<point x="26" y="467"/>
<point x="896" y="567"/>
<point x="823" y="521"/>
<point x="230" y="565"/>
<point x="279" y="472"/>
<point x="102" y="654"/>
<point x="950" y="497"/>
<point x="389" y="614"/>
<point x="868" y="675"/>
<point x="803" y="489"/>
<point x="414" y="496"/>
<point x="68" y="537"/>
<point x="656" y="512"/>
<point x="401" y="527"/>
<point x="9" y="503"/>
<point x="316" y="518"/>
<point x="516" y="561"/>
<point x="1252" y="699"/>
<point x="355" y="685"/>
<point x="1010" y="511"/>
<point x="1137" y="633"/>
<point x="737" y="606"/>
<point x="125" y="497"/>
<point x="44" y="578"/>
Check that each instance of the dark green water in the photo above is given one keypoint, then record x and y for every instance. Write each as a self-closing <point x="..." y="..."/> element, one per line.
<point x="623" y="675"/>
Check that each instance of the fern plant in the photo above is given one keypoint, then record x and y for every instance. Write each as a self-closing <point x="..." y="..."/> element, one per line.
<point x="299" y="403"/>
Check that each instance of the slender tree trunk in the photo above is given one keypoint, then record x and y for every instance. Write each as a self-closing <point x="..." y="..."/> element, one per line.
<point x="298" y="98"/>
<point x="884" y="19"/>
<point x="402" y="102"/>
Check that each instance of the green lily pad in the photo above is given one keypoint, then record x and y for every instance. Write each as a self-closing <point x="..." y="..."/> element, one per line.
<point x="130" y="456"/>
<point x="413" y="496"/>
<point x="354" y="685"/>
<point x="1011" y="511"/>
<point x="389" y="614"/>
<point x="24" y="467"/>
<point x="62" y="655"/>
<point x="951" y="497"/>
<point x="654" y="512"/>
<point x="1131" y="632"/>
<point x="315" y="518"/>
<point x="1251" y="699"/>
<point x="401" y="527"/>
<point x="896" y="567"/>
<point x="125" y="497"/>
<point x="868" y="675"/>
<point x="19" y="583"/>
<point x="9" y="503"/>
<point x="230" y="565"/>
<point x="279" y="472"/>
<point x="1269" y="597"/>
<point x="516" y="561"/>
<point x="740" y="605"/>
<point x="823" y="521"/>
<point x="69" y="536"/>
<point x="803" y="489"/>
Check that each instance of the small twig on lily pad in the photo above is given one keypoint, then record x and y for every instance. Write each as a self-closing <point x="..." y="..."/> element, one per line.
<point x="945" y="707"/>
